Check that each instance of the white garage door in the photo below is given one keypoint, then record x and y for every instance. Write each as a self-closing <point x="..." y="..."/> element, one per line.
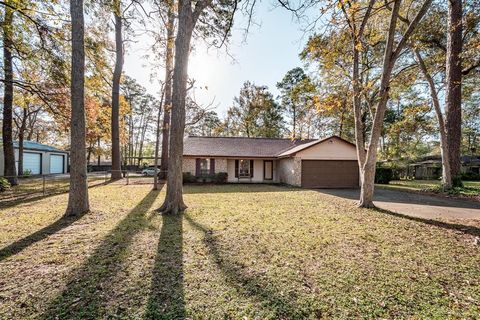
<point x="56" y="163"/>
<point x="32" y="162"/>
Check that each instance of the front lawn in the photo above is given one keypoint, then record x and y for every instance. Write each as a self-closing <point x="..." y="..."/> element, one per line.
<point x="240" y="251"/>
<point x="470" y="188"/>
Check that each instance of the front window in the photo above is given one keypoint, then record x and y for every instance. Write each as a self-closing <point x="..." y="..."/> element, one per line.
<point x="204" y="167"/>
<point x="244" y="168"/>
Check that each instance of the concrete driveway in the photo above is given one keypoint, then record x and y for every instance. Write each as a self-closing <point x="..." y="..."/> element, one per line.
<point x="414" y="204"/>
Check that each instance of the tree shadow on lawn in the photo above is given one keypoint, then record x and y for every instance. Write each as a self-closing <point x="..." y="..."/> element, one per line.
<point x="5" y="204"/>
<point x="237" y="188"/>
<point x="166" y="299"/>
<point x="83" y="296"/>
<point x="465" y="229"/>
<point x="39" y="235"/>
<point x="250" y="284"/>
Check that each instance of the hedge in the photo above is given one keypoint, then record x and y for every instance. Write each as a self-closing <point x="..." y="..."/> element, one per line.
<point x="383" y="175"/>
<point x="218" y="178"/>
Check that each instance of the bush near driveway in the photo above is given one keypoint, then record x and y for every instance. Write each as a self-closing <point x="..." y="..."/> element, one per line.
<point x="470" y="189"/>
<point x="4" y="184"/>
<point x="383" y="175"/>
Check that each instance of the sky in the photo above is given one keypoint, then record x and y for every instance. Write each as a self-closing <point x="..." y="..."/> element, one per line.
<point x="270" y="50"/>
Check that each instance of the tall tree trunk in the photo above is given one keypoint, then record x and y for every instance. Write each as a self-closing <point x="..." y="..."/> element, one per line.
<point x="357" y="110"/>
<point x="10" y="171"/>
<point x="135" y="147"/>
<point x="357" y="35"/>
<point x="140" y="150"/>
<point x="32" y="119"/>
<point x="342" y="117"/>
<point x="309" y="128"/>
<point x="368" y="170"/>
<point x="168" y="88"/>
<point x="21" y="138"/>
<point x="89" y="154"/>
<point x="174" y="199"/>
<point x="446" y="173"/>
<point x="31" y="131"/>
<point x="144" y="128"/>
<point x="125" y="156"/>
<point x="78" y="194"/>
<point x="98" y="156"/>
<point x="131" y="152"/>
<point x="157" y="140"/>
<point x="453" y="92"/>
<point x="294" y="135"/>
<point x="117" y="73"/>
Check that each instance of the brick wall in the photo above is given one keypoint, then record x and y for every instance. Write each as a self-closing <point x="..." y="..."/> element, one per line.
<point x="189" y="165"/>
<point x="290" y="171"/>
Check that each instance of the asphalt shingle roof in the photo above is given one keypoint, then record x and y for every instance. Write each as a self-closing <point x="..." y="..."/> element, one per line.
<point x="238" y="146"/>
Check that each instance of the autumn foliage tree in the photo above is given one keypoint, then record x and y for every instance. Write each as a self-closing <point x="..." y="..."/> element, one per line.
<point x="370" y="27"/>
<point x="33" y="56"/>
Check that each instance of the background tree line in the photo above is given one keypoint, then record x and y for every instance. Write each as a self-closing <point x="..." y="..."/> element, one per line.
<point x="390" y="75"/>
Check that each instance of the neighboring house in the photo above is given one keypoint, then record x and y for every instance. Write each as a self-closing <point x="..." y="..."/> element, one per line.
<point x="323" y="163"/>
<point x="39" y="158"/>
<point x="430" y="167"/>
<point x="425" y="170"/>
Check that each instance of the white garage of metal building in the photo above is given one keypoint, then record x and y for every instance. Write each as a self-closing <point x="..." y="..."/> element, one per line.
<point x="39" y="159"/>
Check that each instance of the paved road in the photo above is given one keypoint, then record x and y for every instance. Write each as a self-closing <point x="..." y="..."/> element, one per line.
<point x="415" y="205"/>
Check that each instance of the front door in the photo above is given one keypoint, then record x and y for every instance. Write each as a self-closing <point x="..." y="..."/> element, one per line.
<point x="268" y="170"/>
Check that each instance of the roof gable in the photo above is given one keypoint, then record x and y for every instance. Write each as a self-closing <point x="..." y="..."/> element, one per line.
<point x="300" y="148"/>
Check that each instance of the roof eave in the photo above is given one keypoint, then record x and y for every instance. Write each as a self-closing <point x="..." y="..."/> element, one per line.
<point x="43" y="150"/>
<point x="229" y="156"/>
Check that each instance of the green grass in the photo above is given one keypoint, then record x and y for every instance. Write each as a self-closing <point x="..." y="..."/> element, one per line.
<point x="470" y="188"/>
<point x="240" y="251"/>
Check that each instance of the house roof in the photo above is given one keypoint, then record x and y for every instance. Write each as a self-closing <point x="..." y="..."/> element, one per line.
<point x="238" y="146"/>
<point x="247" y="147"/>
<point x="32" y="145"/>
